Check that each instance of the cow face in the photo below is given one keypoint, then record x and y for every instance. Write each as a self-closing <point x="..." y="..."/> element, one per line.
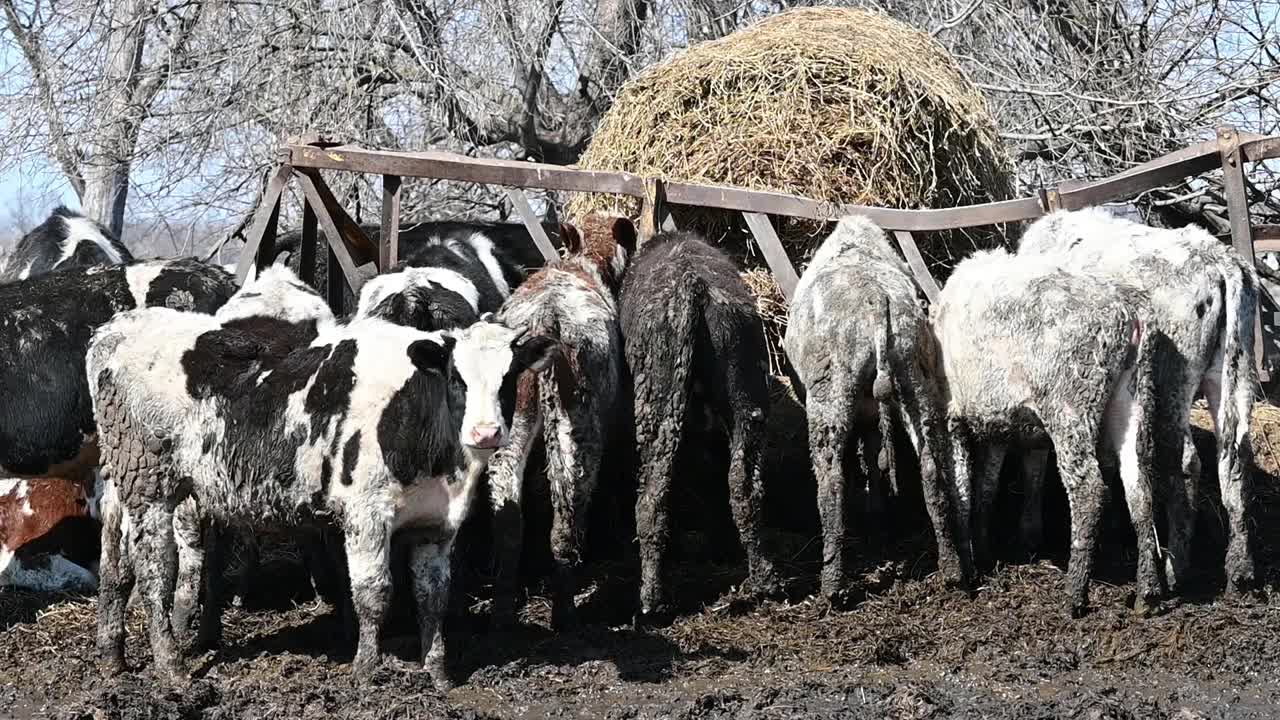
<point x="608" y="241"/>
<point x="489" y="359"/>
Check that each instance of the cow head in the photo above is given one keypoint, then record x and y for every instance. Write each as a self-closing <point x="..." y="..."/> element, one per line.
<point x="488" y="360"/>
<point x="606" y="241"/>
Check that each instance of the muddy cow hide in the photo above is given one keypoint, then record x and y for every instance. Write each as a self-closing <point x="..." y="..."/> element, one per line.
<point x="563" y="324"/>
<point x="1030" y="347"/>
<point x="1205" y="296"/>
<point x="281" y="312"/>
<point x="354" y="428"/>
<point x="66" y="239"/>
<point x="46" y="418"/>
<point x="854" y="338"/>
<point x="688" y="322"/>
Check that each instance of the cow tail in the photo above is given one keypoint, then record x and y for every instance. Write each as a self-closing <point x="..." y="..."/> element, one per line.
<point x="882" y="390"/>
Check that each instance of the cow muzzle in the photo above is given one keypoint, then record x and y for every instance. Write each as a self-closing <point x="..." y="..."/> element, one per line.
<point x="485" y="437"/>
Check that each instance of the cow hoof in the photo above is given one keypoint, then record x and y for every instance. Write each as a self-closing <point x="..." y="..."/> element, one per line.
<point x="110" y="668"/>
<point x="766" y="585"/>
<point x="655" y="618"/>
<point x="1079" y="610"/>
<point x="363" y="668"/>
<point x="1146" y="606"/>
<point x="440" y="679"/>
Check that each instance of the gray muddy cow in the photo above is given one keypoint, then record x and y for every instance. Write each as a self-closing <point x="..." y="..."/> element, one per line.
<point x="1204" y="295"/>
<point x="862" y="351"/>
<point x="1018" y="363"/>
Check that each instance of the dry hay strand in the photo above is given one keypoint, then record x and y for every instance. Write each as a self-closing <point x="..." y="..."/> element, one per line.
<point x="771" y="304"/>
<point x="1264" y="429"/>
<point x="837" y="104"/>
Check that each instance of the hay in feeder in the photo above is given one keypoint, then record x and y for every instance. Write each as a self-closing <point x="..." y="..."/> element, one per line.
<point x="837" y="104"/>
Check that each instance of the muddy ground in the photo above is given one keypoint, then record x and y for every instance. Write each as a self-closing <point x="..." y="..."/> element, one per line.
<point x="908" y="649"/>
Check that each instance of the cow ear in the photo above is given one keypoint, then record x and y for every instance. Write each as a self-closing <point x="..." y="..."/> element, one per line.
<point x="571" y="238"/>
<point x="624" y="233"/>
<point x="535" y="353"/>
<point x="432" y="357"/>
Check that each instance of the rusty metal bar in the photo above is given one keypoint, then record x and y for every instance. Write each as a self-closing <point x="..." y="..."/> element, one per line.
<point x="652" y="207"/>
<point x="449" y="166"/>
<point x="1241" y="231"/>
<point x="520" y="201"/>
<point x="266" y="215"/>
<point x="339" y="255"/>
<point x="916" y="262"/>
<point x="307" y="245"/>
<point x="389" y="239"/>
<point x="774" y="254"/>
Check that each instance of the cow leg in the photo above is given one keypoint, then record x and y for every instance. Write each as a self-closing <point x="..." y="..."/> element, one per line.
<point x="251" y="556"/>
<point x="188" y="533"/>
<point x="828" y="435"/>
<point x="506" y="486"/>
<point x="659" y="421"/>
<point x="369" y="563"/>
<point x="158" y="568"/>
<point x="746" y="486"/>
<point x="959" y="449"/>
<point x="1034" y="463"/>
<point x="115" y="582"/>
<point x="1180" y="510"/>
<point x="574" y="450"/>
<point x="923" y="418"/>
<point x="343" y="603"/>
<point x="431" y="576"/>
<point x="217" y="538"/>
<point x="1232" y="411"/>
<point x="1082" y="478"/>
<point x="1128" y="427"/>
<point x="989" y="485"/>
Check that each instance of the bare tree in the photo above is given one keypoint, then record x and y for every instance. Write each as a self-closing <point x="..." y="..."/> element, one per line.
<point x="177" y="106"/>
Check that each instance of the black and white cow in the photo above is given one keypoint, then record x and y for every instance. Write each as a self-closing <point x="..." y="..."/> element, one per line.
<point x="277" y="309"/>
<point x="504" y="252"/>
<point x="66" y="239"/>
<point x="354" y="428"/>
<point x="47" y="432"/>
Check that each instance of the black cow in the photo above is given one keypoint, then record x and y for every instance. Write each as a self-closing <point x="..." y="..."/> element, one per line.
<point x="690" y="328"/>
<point x="66" y="239"/>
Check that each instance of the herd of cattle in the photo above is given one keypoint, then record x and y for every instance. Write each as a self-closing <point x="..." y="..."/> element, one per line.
<point x="154" y="408"/>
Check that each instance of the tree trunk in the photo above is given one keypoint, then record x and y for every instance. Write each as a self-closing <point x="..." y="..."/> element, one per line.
<point x="107" y="168"/>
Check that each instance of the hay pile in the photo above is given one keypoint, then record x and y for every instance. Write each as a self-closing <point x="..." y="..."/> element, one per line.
<point x="837" y="104"/>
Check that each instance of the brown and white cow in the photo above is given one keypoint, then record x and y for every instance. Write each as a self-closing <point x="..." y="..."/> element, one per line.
<point x="49" y="528"/>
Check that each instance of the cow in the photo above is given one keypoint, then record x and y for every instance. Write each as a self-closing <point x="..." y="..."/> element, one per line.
<point x="47" y="433"/>
<point x="692" y="335"/>
<point x="567" y="398"/>
<point x="353" y="428"/>
<point x="1205" y="296"/>
<point x="506" y="251"/>
<point x="861" y="349"/>
<point x="66" y="239"/>
<point x="1028" y="347"/>
<point x="279" y="310"/>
